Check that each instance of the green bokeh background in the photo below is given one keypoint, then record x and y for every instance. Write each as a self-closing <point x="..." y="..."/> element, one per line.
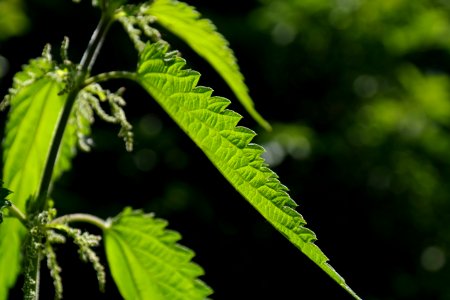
<point x="358" y="93"/>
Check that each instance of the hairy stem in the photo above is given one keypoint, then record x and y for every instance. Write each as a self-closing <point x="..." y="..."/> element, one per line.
<point x="32" y="267"/>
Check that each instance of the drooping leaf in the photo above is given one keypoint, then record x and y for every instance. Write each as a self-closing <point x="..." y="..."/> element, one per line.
<point x="214" y="129"/>
<point x="32" y="119"/>
<point x="147" y="263"/>
<point x="202" y="36"/>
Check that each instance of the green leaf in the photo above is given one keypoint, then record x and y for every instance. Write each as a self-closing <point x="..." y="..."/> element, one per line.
<point x="202" y="36"/>
<point x="147" y="263"/>
<point x="214" y="129"/>
<point x="32" y="119"/>
<point x="10" y="242"/>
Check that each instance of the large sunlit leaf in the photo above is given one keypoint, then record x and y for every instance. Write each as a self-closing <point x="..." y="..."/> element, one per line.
<point x="214" y="129"/>
<point x="202" y="36"/>
<point x="32" y="119"/>
<point x="147" y="263"/>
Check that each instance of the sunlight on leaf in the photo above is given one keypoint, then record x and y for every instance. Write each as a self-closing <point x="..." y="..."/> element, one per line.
<point x="214" y="129"/>
<point x="201" y="34"/>
<point x="32" y="119"/>
<point x="147" y="263"/>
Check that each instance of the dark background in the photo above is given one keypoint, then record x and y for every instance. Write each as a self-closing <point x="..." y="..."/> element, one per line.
<point x="358" y="95"/>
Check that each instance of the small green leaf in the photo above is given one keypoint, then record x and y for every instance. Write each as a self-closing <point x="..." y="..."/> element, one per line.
<point x="214" y="129"/>
<point x="147" y="263"/>
<point x="202" y="36"/>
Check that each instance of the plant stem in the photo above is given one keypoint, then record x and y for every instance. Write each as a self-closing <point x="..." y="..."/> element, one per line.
<point x="95" y="44"/>
<point x="17" y="213"/>
<point x="86" y="218"/>
<point x="32" y="267"/>
<point x="33" y="260"/>
<point x="84" y="69"/>
<point x="111" y="75"/>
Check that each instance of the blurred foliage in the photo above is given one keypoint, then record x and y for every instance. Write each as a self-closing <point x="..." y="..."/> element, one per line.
<point x="373" y="89"/>
<point x="13" y="20"/>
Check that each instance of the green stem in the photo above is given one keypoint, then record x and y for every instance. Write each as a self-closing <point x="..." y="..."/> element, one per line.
<point x="84" y="69"/>
<point x="95" y="44"/>
<point x="31" y="285"/>
<point x="85" y="218"/>
<point x="111" y="75"/>
<point x="14" y="211"/>
<point x="32" y="268"/>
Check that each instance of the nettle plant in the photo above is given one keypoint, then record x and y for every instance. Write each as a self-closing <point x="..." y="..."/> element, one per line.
<point x="51" y="107"/>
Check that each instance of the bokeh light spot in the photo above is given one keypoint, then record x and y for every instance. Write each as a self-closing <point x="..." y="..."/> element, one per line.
<point x="283" y="34"/>
<point x="433" y="259"/>
<point x="150" y="125"/>
<point x="365" y="86"/>
<point x="274" y="154"/>
<point x="145" y="159"/>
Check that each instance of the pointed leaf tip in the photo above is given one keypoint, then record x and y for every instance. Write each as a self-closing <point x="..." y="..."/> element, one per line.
<point x="214" y="129"/>
<point x="203" y="37"/>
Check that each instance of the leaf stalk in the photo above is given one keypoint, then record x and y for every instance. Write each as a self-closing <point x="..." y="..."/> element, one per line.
<point x="14" y="211"/>
<point x="85" y="218"/>
<point x="111" y="75"/>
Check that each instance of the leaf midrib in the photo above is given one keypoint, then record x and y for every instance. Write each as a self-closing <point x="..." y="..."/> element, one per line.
<point x="230" y="170"/>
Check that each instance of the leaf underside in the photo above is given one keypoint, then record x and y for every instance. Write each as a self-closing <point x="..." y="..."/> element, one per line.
<point x="147" y="263"/>
<point x="202" y="36"/>
<point x="32" y="120"/>
<point x="214" y="129"/>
